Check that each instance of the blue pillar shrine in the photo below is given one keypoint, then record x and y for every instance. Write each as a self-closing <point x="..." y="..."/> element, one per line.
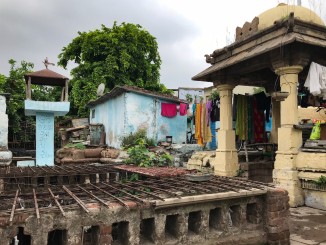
<point x="45" y="111"/>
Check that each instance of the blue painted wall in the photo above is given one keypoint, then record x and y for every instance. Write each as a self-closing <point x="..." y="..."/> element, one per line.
<point x="44" y="139"/>
<point x="111" y="114"/>
<point x="130" y="111"/>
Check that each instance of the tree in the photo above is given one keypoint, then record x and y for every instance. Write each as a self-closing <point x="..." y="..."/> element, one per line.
<point x="125" y="54"/>
<point x="15" y="85"/>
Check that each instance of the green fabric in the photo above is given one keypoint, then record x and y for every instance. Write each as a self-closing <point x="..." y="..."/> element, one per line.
<point x="315" y="132"/>
<point x="241" y="126"/>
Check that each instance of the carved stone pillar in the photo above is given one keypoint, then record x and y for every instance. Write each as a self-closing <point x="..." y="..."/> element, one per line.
<point x="226" y="160"/>
<point x="285" y="173"/>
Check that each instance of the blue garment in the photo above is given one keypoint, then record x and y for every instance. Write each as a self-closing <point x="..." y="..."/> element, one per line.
<point x="268" y="125"/>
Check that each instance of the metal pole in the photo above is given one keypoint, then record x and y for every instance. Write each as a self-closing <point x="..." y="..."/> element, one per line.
<point x="299" y="2"/>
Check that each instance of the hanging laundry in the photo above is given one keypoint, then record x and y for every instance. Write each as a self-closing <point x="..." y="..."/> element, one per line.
<point x="198" y="135"/>
<point x="215" y="113"/>
<point x="213" y="144"/>
<point x="205" y="129"/>
<point x="183" y="109"/>
<point x="209" y="108"/>
<point x="194" y="112"/>
<point x="168" y="110"/>
<point x="263" y="103"/>
<point x="316" y="79"/>
<point x="241" y="127"/>
<point x="234" y="107"/>
<point x="259" y="123"/>
<point x="251" y="128"/>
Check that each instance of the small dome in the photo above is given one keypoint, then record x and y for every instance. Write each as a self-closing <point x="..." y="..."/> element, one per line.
<point x="267" y="18"/>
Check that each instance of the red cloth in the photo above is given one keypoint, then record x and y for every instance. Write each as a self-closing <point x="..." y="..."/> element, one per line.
<point x="168" y="110"/>
<point x="259" y="123"/>
<point x="183" y="109"/>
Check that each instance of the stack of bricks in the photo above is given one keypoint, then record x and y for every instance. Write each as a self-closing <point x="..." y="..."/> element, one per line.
<point x="277" y="213"/>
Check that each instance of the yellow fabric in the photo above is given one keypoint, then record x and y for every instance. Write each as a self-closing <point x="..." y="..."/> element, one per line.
<point x="198" y="135"/>
<point x="206" y="131"/>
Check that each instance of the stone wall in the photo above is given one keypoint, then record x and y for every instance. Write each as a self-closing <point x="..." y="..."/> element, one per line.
<point x="260" y="219"/>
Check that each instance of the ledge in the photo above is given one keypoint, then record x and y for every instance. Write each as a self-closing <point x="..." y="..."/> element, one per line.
<point x="57" y="108"/>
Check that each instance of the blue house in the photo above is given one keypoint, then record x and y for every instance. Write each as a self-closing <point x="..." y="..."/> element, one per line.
<point x="125" y="109"/>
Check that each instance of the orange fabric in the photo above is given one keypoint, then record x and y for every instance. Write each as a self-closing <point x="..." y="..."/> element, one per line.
<point x="198" y="134"/>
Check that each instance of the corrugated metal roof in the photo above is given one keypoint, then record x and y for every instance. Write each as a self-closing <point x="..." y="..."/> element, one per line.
<point x="118" y="90"/>
<point x="46" y="77"/>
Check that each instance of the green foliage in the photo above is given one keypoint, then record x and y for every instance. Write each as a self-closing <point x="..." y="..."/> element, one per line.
<point x="189" y="98"/>
<point x="142" y="157"/>
<point x="321" y="180"/>
<point x="164" y="160"/>
<point x="134" y="177"/>
<point x="133" y="139"/>
<point x="214" y="95"/>
<point x="16" y="86"/>
<point x="79" y="146"/>
<point x="125" y="54"/>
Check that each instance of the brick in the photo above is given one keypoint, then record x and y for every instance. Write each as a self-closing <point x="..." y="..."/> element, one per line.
<point x="277" y="229"/>
<point x="105" y="229"/>
<point x="106" y="240"/>
<point x="278" y="206"/>
<point x="277" y="222"/>
<point x="278" y="236"/>
<point x="285" y="242"/>
<point x="277" y="192"/>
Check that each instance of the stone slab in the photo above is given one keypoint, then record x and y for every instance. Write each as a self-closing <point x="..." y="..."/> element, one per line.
<point x="26" y="163"/>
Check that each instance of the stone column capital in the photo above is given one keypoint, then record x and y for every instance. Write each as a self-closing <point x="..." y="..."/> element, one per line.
<point x="224" y="87"/>
<point x="288" y="70"/>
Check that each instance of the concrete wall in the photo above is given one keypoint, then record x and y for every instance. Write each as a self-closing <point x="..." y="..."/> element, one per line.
<point x="129" y="112"/>
<point x="112" y="115"/>
<point x="311" y="167"/>
<point x="5" y="155"/>
<point x="3" y="123"/>
<point x="145" y="112"/>
<point x="141" y="112"/>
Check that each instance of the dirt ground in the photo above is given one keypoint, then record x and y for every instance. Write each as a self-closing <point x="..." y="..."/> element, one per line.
<point x="307" y="226"/>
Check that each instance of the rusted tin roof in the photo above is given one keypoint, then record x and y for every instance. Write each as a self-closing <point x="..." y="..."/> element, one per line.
<point x="153" y="171"/>
<point x="118" y="90"/>
<point x="46" y="77"/>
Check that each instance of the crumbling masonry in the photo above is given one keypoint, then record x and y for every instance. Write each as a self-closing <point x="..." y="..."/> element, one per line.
<point x="51" y="205"/>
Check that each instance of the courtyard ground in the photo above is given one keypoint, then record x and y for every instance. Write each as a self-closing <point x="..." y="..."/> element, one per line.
<point x="307" y="226"/>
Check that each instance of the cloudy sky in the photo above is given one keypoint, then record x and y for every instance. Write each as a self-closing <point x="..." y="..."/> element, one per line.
<point x="186" y="30"/>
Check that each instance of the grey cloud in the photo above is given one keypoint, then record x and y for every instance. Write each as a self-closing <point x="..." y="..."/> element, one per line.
<point x="32" y="30"/>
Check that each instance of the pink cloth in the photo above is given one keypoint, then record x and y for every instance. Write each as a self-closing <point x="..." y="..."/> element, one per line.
<point x="168" y="110"/>
<point x="183" y="109"/>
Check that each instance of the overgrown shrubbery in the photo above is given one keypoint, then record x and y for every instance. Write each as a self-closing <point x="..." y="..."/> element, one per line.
<point x="137" y="147"/>
<point x="132" y="139"/>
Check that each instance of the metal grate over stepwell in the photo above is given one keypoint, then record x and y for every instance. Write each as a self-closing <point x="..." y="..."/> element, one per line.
<point x="154" y="192"/>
